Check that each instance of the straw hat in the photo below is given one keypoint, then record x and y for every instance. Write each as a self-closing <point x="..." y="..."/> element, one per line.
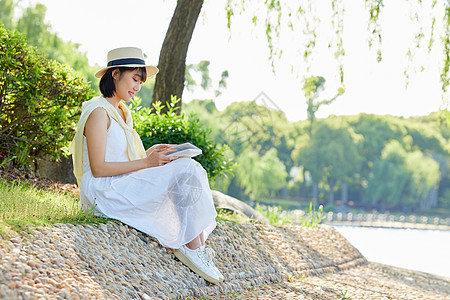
<point x="126" y="57"/>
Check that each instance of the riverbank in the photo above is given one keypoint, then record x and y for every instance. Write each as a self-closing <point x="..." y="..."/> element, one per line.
<point x="388" y="224"/>
<point x="114" y="261"/>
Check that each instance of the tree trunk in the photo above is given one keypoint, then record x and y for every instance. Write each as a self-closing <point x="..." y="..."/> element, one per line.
<point x="172" y="58"/>
<point x="331" y="184"/>
<point x="303" y="186"/>
<point x="315" y="192"/>
<point x="431" y="200"/>
<point x="344" y="193"/>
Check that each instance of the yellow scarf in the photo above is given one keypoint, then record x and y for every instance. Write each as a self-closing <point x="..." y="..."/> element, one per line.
<point x="135" y="147"/>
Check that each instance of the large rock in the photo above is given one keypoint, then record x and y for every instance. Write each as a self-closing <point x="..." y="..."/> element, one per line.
<point x="61" y="171"/>
<point x="226" y="202"/>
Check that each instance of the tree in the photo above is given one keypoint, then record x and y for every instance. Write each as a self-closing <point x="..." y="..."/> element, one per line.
<point x="332" y="155"/>
<point x="7" y="13"/>
<point x="377" y="131"/>
<point x="260" y="175"/>
<point x="33" y="25"/>
<point x="203" y="68"/>
<point x="312" y="87"/>
<point x="390" y="177"/>
<point x="39" y="34"/>
<point x="403" y="178"/>
<point x="172" y="58"/>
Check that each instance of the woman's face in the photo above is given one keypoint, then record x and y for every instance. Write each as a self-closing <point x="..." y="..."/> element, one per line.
<point x="127" y="83"/>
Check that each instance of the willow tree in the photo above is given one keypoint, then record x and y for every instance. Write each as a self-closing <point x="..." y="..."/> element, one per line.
<point x="300" y="17"/>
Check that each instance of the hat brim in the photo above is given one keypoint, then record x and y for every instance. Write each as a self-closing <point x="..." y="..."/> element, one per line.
<point x="151" y="70"/>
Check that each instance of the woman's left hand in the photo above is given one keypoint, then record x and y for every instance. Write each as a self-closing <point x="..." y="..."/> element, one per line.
<point x="159" y="148"/>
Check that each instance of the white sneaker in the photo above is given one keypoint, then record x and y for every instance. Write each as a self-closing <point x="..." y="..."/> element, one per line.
<point x="211" y="254"/>
<point x="200" y="262"/>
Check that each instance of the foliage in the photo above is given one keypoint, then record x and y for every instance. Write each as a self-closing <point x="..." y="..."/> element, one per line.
<point x="247" y="126"/>
<point x="7" y="13"/>
<point x="313" y="217"/>
<point x="445" y="73"/>
<point x="444" y="200"/>
<point x="312" y="87"/>
<point x="260" y="175"/>
<point x="402" y="178"/>
<point x="40" y="100"/>
<point x="230" y="216"/>
<point x="377" y="131"/>
<point x="203" y="68"/>
<point x="342" y="149"/>
<point x="170" y="128"/>
<point x="273" y="214"/>
<point x="23" y="205"/>
<point x="332" y="154"/>
<point x="39" y="34"/>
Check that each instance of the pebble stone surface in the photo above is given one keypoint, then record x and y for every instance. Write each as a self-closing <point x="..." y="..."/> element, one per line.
<point x="114" y="261"/>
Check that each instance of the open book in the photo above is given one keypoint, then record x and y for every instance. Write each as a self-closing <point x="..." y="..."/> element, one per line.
<point x="185" y="150"/>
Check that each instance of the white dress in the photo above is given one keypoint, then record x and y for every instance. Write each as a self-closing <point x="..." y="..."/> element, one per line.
<point x="172" y="203"/>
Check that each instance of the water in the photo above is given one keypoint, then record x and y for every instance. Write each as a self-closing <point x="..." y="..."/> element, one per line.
<point x="415" y="249"/>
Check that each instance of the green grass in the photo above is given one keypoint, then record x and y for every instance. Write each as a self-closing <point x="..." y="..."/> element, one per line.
<point x="313" y="217"/>
<point x="273" y="214"/>
<point x="225" y="215"/>
<point x="22" y="206"/>
<point x="284" y="204"/>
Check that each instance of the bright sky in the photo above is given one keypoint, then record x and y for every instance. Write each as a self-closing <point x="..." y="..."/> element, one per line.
<point x="371" y="87"/>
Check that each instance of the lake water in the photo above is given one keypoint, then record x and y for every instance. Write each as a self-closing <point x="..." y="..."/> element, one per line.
<point x="415" y="249"/>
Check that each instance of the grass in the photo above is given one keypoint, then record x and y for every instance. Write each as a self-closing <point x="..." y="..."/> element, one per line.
<point x="274" y="214"/>
<point x="284" y="204"/>
<point x="23" y="205"/>
<point x="313" y="217"/>
<point x="225" y="215"/>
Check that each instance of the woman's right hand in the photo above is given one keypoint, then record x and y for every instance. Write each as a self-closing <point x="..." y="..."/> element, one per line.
<point x="157" y="157"/>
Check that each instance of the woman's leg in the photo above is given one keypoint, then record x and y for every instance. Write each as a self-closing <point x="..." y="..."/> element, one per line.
<point x="197" y="242"/>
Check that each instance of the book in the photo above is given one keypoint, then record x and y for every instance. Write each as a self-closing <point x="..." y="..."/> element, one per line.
<point x="185" y="150"/>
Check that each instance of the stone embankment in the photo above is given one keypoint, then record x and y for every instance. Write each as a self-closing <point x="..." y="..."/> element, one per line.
<point x="376" y="220"/>
<point x="114" y="261"/>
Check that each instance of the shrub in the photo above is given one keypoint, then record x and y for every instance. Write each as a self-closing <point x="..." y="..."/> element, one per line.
<point x="171" y="128"/>
<point x="39" y="101"/>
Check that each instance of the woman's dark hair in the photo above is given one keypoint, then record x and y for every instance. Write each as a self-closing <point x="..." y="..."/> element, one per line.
<point x="107" y="86"/>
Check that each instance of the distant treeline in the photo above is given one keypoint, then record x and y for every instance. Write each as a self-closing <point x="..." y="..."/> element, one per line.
<point x="371" y="161"/>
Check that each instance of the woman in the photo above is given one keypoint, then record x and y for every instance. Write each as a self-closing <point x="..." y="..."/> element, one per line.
<point x="166" y="197"/>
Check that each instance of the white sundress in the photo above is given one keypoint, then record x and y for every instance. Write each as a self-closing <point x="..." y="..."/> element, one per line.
<point x="172" y="203"/>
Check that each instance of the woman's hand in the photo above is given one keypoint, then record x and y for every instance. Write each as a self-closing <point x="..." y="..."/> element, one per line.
<point x="159" y="147"/>
<point x="156" y="155"/>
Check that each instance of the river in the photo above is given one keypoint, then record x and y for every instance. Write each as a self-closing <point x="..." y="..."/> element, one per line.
<point x="415" y="249"/>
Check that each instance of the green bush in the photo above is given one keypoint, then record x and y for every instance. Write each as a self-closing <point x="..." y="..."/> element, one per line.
<point x="40" y="100"/>
<point x="171" y="128"/>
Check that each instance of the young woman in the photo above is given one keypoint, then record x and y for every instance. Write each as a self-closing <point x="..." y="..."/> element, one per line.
<point x="166" y="197"/>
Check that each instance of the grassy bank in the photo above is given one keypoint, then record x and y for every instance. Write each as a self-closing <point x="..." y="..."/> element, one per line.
<point x="23" y="205"/>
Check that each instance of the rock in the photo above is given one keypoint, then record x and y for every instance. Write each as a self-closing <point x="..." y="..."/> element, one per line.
<point x="226" y="202"/>
<point x="61" y="171"/>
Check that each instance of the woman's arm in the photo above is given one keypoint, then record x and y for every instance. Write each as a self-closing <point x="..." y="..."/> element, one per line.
<point x="95" y="131"/>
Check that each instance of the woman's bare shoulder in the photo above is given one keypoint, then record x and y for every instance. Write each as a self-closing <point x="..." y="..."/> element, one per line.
<point x="98" y="117"/>
<point x="99" y="112"/>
